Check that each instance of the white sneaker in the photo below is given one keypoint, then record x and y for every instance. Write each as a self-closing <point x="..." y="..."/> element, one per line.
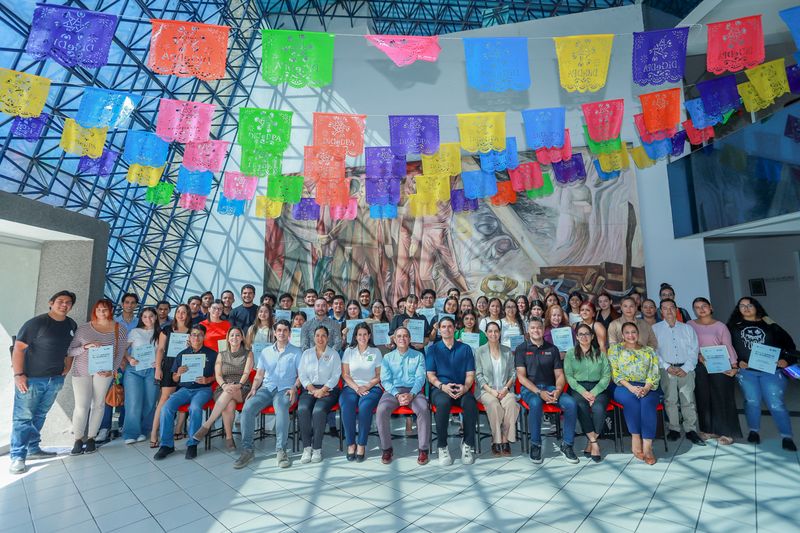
<point x="467" y="455"/>
<point x="102" y="435"/>
<point x="282" y="459"/>
<point x="306" y="457"/>
<point x="17" y="466"/>
<point x="444" y="457"/>
<point x="141" y="438"/>
<point x="316" y="456"/>
<point x="130" y="441"/>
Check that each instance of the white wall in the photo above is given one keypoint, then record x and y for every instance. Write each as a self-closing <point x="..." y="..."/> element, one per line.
<point x="365" y="81"/>
<point x="18" y="281"/>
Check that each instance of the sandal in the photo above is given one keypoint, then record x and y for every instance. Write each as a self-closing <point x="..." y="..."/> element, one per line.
<point x="596" y="458"/>
<point x="179" y="436"/>
<point x="153" y="444"/>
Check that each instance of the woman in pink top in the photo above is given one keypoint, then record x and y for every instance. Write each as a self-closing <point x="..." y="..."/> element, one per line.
<point x="714" y="393"/>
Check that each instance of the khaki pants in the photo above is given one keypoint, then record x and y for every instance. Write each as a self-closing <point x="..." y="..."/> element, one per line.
<point x="502" y="415"/>
<point x="679" y="400"/>
<point x="90" y="396"/>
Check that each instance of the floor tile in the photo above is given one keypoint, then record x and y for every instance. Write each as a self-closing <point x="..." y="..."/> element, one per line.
<point x="383" y="521"/>
<point x="123" y="516"/>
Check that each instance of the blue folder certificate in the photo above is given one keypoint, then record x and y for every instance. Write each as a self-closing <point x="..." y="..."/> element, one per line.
<point x="145" y="354"/>
<point x="439" y="304"/>
<point x="416" y="328"/>
<point x="716" y="357"/>
<point x="380" y="334"/>
<point x="296" y="339"/>
<point x="516" y="340"/>
<point x="429" y="313"/>
<point x="309" y="311"/>
<point x="442" y="315"/>
<point x="764" y="358"/>
<point x="283" y="314"/>
<point x="101" y="359"/>
<point x="195" y="363"/>
<point x="177" y="343"/>
<point x="473" y="340"/>
<point x="562" y="338"/>
<point x="257" y="348"/>
<point x="351" y="326"/>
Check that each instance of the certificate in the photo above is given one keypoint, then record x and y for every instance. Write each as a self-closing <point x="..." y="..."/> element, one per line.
<point x="416" y="328"/>
<point x="178" y="342"/>
<point x="195" y="362"/>
<point x="717" y="359"/>
<point x="439" y="304"/>
<point x="351" y="326"/>
<point x="515" y="340"/>
<point x="428" y="312"/>
<point x="473" y="340"/>
<point x="101" y="359"/>
<point x="562" y="338"/>
<point x="257" y="348"/>
<point x="380" y="334"/>
<point x="309" y="311"/>
<point x="451" y="316"/>
<point x="764" y="358"/>
<point x="296" y="339"/>
<point x="222" y="345"/>
<point x="283" y="314"/>
<point x="145" y="354"/>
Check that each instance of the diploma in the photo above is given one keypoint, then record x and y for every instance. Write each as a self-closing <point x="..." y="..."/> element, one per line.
<point x="716" y="359"/>
<point x="178" y="342"/>
<point x="257" y="348"/>
<point x="101" y="359"/>
<point x="439" y="304"/>
<point x="473" y="340"/>
<point x="416" y="328"/>
<point x="283" y="314"/>
<point x="145" y="354"/>
<point x="448" y="315"/>
<point x="195" y="363"/>
<point x="380" y="334"/>
<point x="309" y="311"/>
<point x="764" y="358"/>
<point x="351" y="325"/>
<point x="515" y="340"/>
<point x="296" y="339"/>
<point x="428" y="312"/>
<point x="562" y="338"/>
<point x="222" y="345"/>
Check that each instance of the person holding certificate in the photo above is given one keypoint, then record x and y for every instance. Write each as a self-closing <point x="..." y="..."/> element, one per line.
<point x="556" y="318"/>
<point x="714" y="392"/>
<point x="379" y="323"/>
<point x="677" y="358"/>
<point x="193" y="371"/>
<point x="169" y="346"/>
<point x="216" y="328"/>
<point x="511" y="325"/>
<point x="764" y="350"/>
<point x="495" y="375"/>
<point x="494" y="312"/>
<point x="141" y="391"/>
<point x="97" y="349"/>
<point x="405" y="319"/>
<point x="260" y="331"/>
<point x="473" y="333"/>
<point x="634" y="368"/>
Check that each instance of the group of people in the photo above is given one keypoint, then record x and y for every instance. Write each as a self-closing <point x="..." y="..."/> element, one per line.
<point x="421" y="359"/>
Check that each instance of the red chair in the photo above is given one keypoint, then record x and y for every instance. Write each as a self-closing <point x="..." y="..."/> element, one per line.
<point x="618" y="410"/>
<point x="207" y="408"/>
<point x="454" y="410"/>
<point x="546" y="408"/>
<point x="293" y="432"/>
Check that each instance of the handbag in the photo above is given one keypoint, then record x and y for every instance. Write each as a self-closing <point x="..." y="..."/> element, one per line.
<point x="115" y="397"/>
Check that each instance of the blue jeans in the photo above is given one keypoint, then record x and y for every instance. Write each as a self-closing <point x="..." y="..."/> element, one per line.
<point x="757" y="386"/>
<point x="252" y="409"/>
<point x="30" y="411"/>
<point x="349" y="401"/>
<point x="535" y="407"/>
<point x="196" y="398"/>
<point x="641" y="414"/>
<point x="141" y="395"/>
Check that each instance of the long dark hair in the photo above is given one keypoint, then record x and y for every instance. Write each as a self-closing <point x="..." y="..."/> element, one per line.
<point x="736" y="315"/>
<point x="517" y="316"/>
<point x="360" y="326"/>
<point x="612" y="311"/>
<point x="156" y="325"/>
<point x="381" y="318"/>
<point x="187" y="322"/>
<point x="593" y="349"/>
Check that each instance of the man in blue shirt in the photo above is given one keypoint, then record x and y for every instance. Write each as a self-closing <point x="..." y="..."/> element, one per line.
<point x="403" y="378"/>
<point x="196" y="393"/>
<point x="451" y="371"/>
<point x="275" y="384"/>
<point x="365" y="301"/>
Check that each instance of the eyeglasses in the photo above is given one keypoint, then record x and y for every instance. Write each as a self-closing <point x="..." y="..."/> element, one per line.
<point x="196" y="335"/>
<point x="746" y="306"/>
<point x="584" y="334"/>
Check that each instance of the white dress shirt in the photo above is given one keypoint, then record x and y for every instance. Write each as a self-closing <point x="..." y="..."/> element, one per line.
<point x="676" y="345"/>
<point x="325" y="370"/>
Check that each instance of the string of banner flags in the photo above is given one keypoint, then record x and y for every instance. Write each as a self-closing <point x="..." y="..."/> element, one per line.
<point x="78" y="37"/>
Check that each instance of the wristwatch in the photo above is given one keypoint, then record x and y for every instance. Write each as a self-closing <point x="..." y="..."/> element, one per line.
<point x="19" y="374"/>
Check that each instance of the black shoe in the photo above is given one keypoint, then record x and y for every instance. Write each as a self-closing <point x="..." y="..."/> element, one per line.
<point x="90" y="446"/>
<point x="695" y="438"/>
<point x="77" y="449"/>
<point x="587" y="454"/>
<point x="40" y="454"/>
<point x="351" y="456"/>
<point x="163" y="452"/>
<point x="360" y="458"/>
<point x="673" y="435"/>
<point x="788" y="445"/>
<point x="191" y="451"/>
<point x="536" y="454"/>
<point x="569" y="453"/>
<point x="333" y="432"/>
<point x="754" y="437"/>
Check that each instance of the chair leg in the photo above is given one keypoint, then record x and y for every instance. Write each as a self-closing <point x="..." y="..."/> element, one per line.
<point x="664" y="430"/>
<point x="478" y="432"/>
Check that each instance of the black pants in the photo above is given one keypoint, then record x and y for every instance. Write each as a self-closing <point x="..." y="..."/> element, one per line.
<point x="312" y="414"/>
<point x="715" y="398"/>
<point x="443" y="403"/>
<point x="592" y="418"/>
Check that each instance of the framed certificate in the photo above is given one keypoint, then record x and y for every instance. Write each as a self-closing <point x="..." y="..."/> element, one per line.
<point x="416" y="328"/>
<point x="473" y="340"/>
<point x="178" y="342"/>
<point x="562" y="338"/>
<point x="101" y="359"/>
<point x="296" y="338"/>
<point x="351" y="325"/>
<point x="716" y="358"/>
<point x="764" y="358"/>
<point x="195" y="363"/>
<point x="283" y="314"/>
<point x="380" y="334"/>
<point x="145" y="354"/>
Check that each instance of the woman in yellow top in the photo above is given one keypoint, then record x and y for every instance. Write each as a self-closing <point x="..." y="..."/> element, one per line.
<point x="634" y="369"/>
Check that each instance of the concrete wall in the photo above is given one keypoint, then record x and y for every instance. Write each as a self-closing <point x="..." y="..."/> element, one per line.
<point x="18" y="282"/>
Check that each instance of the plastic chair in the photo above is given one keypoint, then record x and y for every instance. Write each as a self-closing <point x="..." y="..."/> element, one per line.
<point x="618" y="409"/>
<point x="546" y="409"/>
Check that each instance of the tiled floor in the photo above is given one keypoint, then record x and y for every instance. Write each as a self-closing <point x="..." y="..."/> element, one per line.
<point x="120" y="488"/>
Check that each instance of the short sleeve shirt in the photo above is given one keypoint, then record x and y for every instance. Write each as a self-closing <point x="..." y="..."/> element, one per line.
<point x="450" y="364"/>
<point x="208" y="368"/>
<point x="362" y="365"/>
<point x="48" y="341"/>
<point x="539" y="362"/>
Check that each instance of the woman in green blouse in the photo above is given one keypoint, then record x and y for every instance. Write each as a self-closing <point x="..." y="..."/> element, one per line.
<point x="470" y="321"/>
<point x="634" y="369"/>
<point x="588" y="373"/>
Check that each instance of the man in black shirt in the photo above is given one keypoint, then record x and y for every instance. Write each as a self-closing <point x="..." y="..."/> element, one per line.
<point x="195" y="304"/>
<point x="40" y="363"/>
<point x="410" y="313"/>
<point x="244" y="315"/>
<point x="196" y="393"/>
<point x="541" y="375"/>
